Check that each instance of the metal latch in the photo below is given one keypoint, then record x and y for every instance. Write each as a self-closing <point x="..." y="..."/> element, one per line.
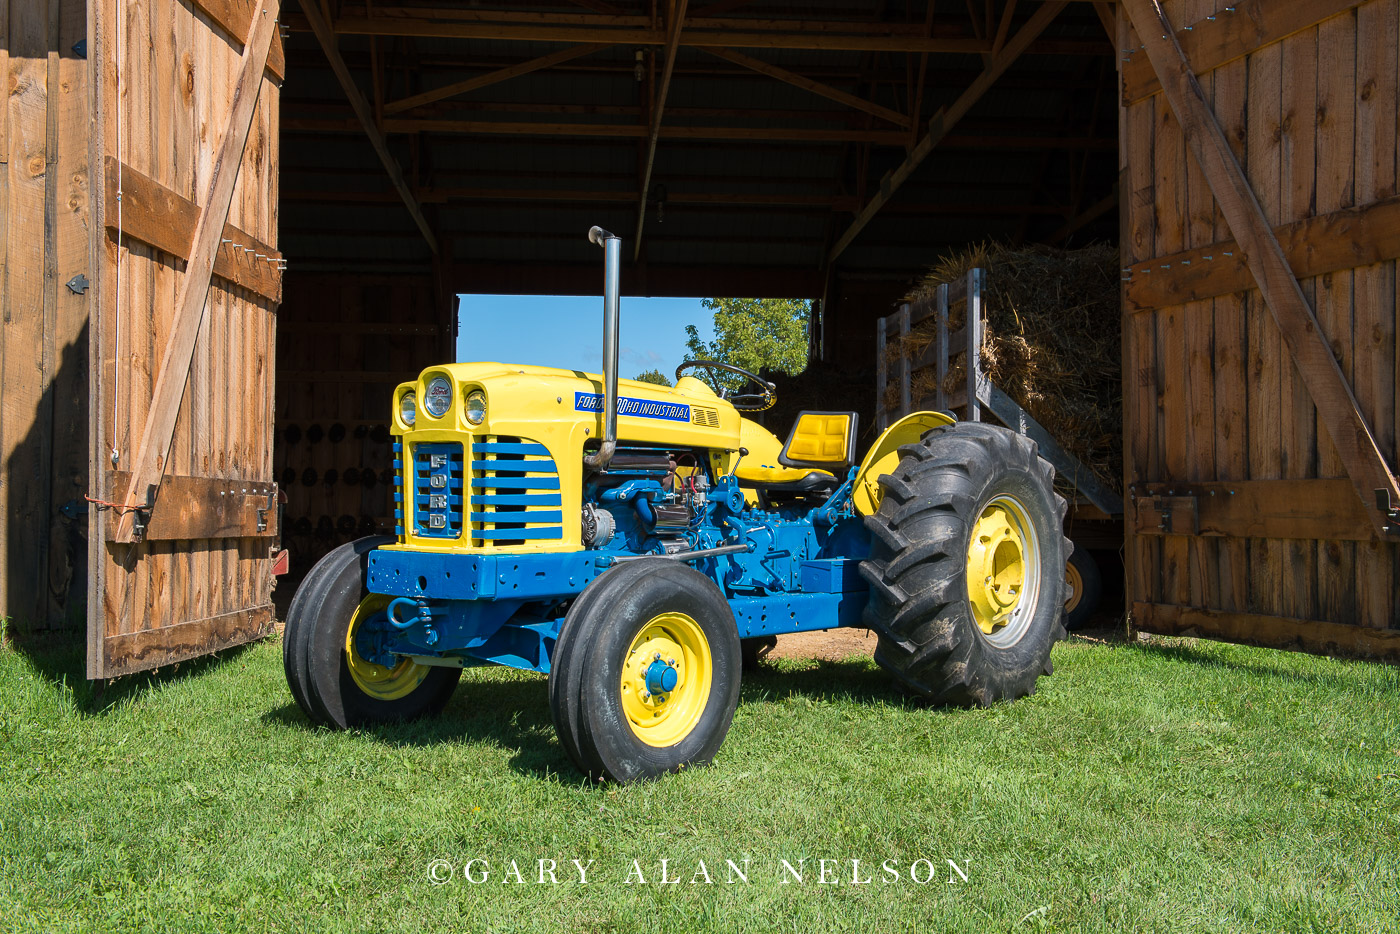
<point x="1390" y="511"/>
<point x="1169" y="515"/>
<point x="141" y="515"/>
<point x="263" y="511"/>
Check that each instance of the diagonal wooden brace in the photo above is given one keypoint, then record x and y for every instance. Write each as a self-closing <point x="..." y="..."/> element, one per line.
<point x="149" y="464"/>
<point x="1336" y="403"/>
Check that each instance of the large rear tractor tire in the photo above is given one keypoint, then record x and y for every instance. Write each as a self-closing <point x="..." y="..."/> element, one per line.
<point x="331" y="683"/>
<point x="1083" y="589"/>
<point x="644" y="679"/>
<point x="967" y="566"/>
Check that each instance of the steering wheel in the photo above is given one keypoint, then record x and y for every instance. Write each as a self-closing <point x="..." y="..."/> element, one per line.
<point x="744" y="402"/>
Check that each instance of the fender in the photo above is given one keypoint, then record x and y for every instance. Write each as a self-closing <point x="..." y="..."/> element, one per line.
<point x="883" y="456"/>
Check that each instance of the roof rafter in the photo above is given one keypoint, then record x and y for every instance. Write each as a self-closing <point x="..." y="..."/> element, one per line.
<point x="672" y="44"/>
<point x="807" y="84"/>
<point x="943" y="121"/>
<point x="494" y="77"/>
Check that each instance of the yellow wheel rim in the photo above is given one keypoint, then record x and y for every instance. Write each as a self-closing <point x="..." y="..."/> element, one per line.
<point x="381" y="683"/>
<point x="1076" y="587"/>
<point x="674" y="643"/>
<point x="1003" y="570"/>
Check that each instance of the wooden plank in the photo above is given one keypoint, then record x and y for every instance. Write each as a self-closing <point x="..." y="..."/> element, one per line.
<point x="149" y="462"/>
<point x="1247" y="26"/>
<point x="458" y="88"/>
<point x="1374" y="292"/>
<point x="676" y="14"/>
<point x="1307" y="635"/>
<point x="1273" y="509"/>
<point x="189" y="507"/>
<point x="235" y="17"/>
<point x="1298" y="200"/>
<point x="807" y="84"/>
<point x="940" y="392"/>
<point x="149" y="648"/>
<point x="1329" y="242"/>
<point x="946" y="119"/>
<point x="365" y="115"/>
<point x="162" y="218"/>
<point x="1355" y="442"/>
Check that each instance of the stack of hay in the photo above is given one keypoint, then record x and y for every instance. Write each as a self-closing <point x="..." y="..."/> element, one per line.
<point x="1052" y="343"/>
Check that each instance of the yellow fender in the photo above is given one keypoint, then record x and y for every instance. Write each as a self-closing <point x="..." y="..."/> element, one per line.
<point x="883" y="456"/>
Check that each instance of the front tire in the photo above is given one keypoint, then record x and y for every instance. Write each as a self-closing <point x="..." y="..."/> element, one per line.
<point x="331" y="683"/>
<point x="967" y="566"/>
<point x="645" y="677"/>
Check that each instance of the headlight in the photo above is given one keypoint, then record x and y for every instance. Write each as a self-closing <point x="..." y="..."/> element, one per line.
<point x="476" y="407"/>
<point x="408" y="407"/>
<point x="437" y="399"/>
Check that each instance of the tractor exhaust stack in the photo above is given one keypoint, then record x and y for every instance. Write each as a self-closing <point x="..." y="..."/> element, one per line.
<point x="612" y="259"/>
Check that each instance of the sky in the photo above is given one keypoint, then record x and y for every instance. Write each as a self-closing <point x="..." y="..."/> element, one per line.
<point x="567" y="331"/>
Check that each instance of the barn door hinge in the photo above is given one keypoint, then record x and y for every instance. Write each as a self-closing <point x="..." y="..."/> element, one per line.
<point x="1390" y="511"/>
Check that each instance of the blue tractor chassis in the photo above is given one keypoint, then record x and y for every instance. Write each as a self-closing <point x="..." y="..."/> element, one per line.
<point x="799" y="574"/>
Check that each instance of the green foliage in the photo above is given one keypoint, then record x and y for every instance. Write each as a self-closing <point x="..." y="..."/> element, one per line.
<point x="653" y="376"/>
<point x="753" y="333"/>
<point x="1169" y="785"/>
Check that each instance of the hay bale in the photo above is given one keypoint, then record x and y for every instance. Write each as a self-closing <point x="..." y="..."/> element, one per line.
<point x="1052" y="342"/>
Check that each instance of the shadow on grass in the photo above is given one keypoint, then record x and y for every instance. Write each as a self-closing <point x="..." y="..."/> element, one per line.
<point x="62" y="666"/>
<point x="514" y="715"/>
<point x="1264" y="665"/>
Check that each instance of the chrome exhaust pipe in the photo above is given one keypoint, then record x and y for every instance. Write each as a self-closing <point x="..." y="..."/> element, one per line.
<point x="612" y="261"/>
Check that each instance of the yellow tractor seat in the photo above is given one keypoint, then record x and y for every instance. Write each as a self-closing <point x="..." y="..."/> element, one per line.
<point x="819" y="448"/>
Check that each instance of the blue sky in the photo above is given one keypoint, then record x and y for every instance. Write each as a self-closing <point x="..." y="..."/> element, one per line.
<point x="567" y="331"/>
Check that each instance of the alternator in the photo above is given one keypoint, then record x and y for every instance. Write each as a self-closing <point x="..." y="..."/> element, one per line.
<point x="598" y="526"/>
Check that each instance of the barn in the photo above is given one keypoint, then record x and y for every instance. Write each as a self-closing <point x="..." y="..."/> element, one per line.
<point x="230" y="227"/>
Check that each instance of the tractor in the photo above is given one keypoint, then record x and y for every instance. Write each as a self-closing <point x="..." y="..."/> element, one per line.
<point x="638" y="544"/>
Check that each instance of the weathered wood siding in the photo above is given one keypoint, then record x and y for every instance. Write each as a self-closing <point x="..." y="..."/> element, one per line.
<point x="166" y="71"/>
<point x="1238" y="524"/>
<point x="44" y="194"/>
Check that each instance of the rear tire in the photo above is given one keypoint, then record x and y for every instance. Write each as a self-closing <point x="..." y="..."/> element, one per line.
<point x="611" y="720"/>
<point x="1083" y="589"/>
<point x="317" y="657"/>
<point x="960" y="621"/>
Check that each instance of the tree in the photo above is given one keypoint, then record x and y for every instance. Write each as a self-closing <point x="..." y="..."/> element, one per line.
<point x="653" y="376"/>
<point x="753" y="333"/>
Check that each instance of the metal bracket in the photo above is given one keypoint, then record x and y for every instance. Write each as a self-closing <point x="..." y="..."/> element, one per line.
<point x="1390" y="511"/>
<point x="141" y="516"/>
<point x="262" y="513"/>
<point x="78" y="284"/>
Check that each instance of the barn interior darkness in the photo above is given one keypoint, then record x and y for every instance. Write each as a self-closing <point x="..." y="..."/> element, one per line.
<point x="821" y="150"/>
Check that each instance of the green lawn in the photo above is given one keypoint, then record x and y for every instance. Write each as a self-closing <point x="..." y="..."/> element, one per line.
<point x="1171" y="786"/>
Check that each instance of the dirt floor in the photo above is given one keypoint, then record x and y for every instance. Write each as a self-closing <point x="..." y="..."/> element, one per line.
<point x="830" y="644"/>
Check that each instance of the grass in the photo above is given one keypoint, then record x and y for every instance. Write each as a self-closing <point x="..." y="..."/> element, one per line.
<point x="1164" y="786"/>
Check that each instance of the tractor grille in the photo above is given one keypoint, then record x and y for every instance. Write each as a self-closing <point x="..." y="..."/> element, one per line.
<point x="515" y="494"/>
<point x="437" y="489"/>
<point x="708" y="418"/>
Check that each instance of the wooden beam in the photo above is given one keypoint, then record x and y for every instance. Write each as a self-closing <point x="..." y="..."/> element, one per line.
<point x="658" y="108"/>
<point x="150" y="461"/>
<point x="737" y="37"/>
<point x="1248" y="26"/>
<point x="235" y="17"/>
<point x="129" y="653"/>
<point x="1108" y="18"/>
<point x="157" y="216"/>
<point x="1326" y="243"/>
<point x="807" y="84"/>
<point x="1315" y="510"/>
<point x="1336" y="403"/>
<point x="366" y="117"/>
<point x="209" y="507"/>
<point x="1308" y="635"/>
<point x="494" y="77"/>
<point x="944" y="120"/>
<point x="1004" y="28"/>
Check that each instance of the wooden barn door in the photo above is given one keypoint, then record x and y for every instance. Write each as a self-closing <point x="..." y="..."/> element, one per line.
<point x="1260" y="367"/>
<point x="188" y="281"/>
